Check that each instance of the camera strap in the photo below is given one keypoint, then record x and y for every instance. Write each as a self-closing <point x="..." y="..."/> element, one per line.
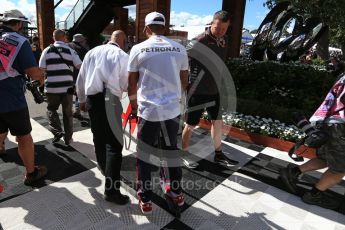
<point x="53" y="48"/>
<point x="292" y="151"/>
<point x="298" y="144"/>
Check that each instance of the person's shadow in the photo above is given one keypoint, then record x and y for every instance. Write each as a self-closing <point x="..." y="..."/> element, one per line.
<point x="61" y="161"/>
<point x="81" y="206"/>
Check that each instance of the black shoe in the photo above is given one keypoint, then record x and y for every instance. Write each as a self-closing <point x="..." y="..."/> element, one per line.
<point x="220" y="158"/>
<point x="68" y="141"/>
<point x="78" y="116"/>
<point x="84" y="123"/>
<point x="289" y="178"/>
<point x="39" y="173"/>
<point x="57" y="137"/>
<point x="117" y="198"/>
<point x="320" y="199"/>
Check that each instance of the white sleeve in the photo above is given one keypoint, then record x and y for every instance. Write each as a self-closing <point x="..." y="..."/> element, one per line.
<point x="75" y="58"/>
<point x="42" y="62"/>
<point x="80" y="83"/>
<point x="133" y="61"/>
<point x="123" y="74"/>
<point x="185" y="62"/>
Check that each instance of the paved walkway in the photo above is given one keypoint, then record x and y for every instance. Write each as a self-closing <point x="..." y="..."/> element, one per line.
<point x="248" y="196"/>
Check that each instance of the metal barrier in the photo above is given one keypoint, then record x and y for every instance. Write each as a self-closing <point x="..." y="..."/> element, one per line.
<point x="74" y="15"/>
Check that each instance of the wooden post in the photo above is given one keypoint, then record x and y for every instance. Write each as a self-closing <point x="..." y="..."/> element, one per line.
<point x="121" y="19"/>
<point x="147" y="6"/>
<point x="45" y="21"/>
<point x="236" y="10"/>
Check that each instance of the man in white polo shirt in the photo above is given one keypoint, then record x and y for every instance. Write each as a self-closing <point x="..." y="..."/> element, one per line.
<point x="158" y="71"/>
<point x="59" y="61"/>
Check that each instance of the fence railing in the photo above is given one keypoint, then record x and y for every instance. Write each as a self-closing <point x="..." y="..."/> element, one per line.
<point x="74" y="15"/>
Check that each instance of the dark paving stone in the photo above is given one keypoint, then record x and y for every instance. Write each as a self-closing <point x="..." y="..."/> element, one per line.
<point x="259" y="162"/>
<point x="267" y="173"/>
<point x="195" y="183"/>
<point x="279" y="162"/>
<point x="264" y="157"/>
<point x="257" y="148"/>
<point x="62" y="162"/>
<point x="231" y="140"/>
<point x="176" y="224"/>
<point x="243" y="144"/>
<point x="274" y="167"/>
<point x="78" y="125"/>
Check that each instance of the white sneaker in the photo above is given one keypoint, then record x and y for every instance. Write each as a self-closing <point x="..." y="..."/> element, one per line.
<point x="189" y="163"/>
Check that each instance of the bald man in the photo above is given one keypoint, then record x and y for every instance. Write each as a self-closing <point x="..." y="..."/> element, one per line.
<point x="118" y="37"/>
<point x="59" y="62"/>
<point x="104" y="69"/>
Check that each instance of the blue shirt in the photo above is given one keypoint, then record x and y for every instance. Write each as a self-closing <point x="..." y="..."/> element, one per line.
<point x="12" y="89"/>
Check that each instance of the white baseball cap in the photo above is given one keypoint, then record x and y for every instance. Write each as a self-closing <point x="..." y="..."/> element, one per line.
<point x="154" y="18"/>
<point x="13" y="15"/>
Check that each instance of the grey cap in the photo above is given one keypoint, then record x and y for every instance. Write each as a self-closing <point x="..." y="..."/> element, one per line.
<point x="13" y="15"/>
<point x="78" y="38"/>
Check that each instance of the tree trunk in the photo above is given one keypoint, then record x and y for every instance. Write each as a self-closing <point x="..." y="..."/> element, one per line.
<point x="322" y="46"/>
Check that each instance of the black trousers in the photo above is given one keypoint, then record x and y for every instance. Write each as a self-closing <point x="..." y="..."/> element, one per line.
<point x="149" y="133"/>
<point x="107" y="140"/>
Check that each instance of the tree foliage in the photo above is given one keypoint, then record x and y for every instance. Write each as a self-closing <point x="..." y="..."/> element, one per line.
<point x="330" y="11"/>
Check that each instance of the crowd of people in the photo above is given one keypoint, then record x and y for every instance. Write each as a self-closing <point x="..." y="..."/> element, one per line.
<point x="155" y="73"/>
<point x="334" y="64"/>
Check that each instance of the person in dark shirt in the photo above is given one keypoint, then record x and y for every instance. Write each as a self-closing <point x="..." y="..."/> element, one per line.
<point x="204" y="90"/>
<point x="36" y="48"/>
<point x="80" y="45"/>
<point x="16" y="61"/>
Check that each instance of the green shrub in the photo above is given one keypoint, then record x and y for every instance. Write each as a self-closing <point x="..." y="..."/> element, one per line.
<point x="319" y="62"/>
<point x="275" y="90"/>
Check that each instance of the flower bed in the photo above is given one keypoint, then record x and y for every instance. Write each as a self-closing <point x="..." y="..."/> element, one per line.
<point x="264" y="126"/>
<point x="261" y="131"/>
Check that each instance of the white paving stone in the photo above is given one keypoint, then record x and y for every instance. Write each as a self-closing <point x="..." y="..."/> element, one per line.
<point x="249" y="208"/>
<point x="239" y="202"/>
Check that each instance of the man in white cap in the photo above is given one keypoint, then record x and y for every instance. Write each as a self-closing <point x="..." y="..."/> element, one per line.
<point x="16" y="61"/>
<point x="158" y="71"/>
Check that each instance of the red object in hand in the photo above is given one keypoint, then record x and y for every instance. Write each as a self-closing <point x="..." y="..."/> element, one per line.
<point x="128" y="116"/>
<point x="1" y="188"/>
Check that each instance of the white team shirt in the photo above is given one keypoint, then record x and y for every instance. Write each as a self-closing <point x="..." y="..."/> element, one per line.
<point x="103" y="67"/>
<point x="159" y="61"/>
